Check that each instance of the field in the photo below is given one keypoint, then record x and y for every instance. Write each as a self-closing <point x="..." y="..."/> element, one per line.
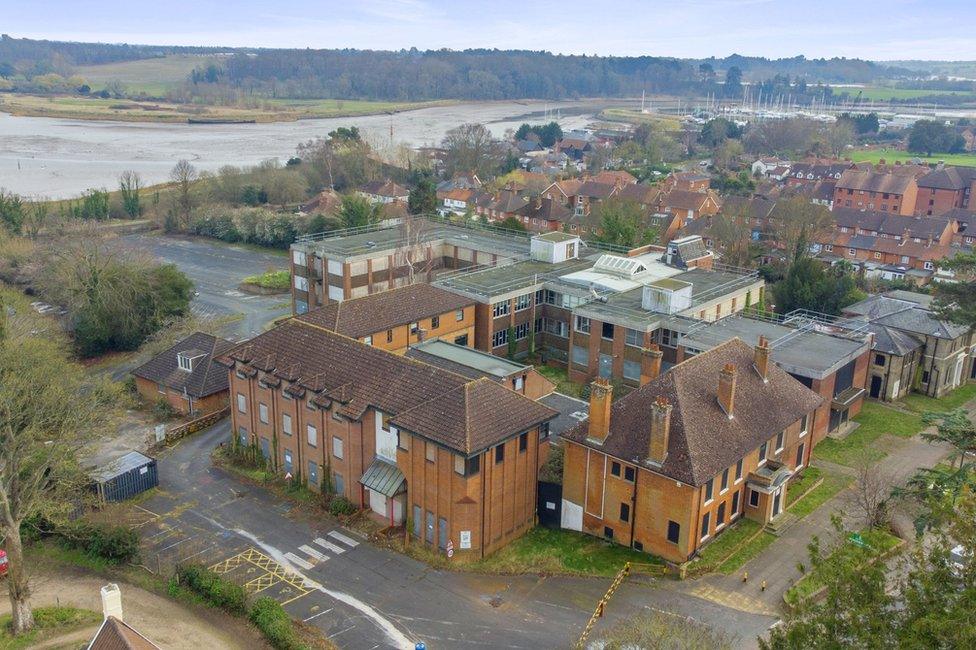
<point x="124" y="110"/>
<point x="636" y="117"/>
<point x="892" y="155"/>
<point x="151" y="76"/>
<point x="882" y="94"/>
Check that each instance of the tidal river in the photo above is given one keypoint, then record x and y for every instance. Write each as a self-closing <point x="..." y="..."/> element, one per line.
<point x="57" y="158"/>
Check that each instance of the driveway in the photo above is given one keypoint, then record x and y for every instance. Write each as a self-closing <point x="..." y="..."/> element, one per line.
<point x="217" y="269"/>
<point x="362" y="596"/>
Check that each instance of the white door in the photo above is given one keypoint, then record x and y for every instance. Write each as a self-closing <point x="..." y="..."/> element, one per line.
<point x="398" y="517"/>
<point x="572" y="516"/>
<point x="377" y="502"/>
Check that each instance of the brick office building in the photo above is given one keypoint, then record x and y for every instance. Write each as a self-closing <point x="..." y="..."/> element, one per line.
<point x="671" y="465"/>
<point x="452" y="459"/>
<point x="395" y="319"/>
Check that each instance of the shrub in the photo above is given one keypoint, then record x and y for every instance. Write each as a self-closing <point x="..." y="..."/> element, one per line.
<point x="552" y="470"/>
<point x="163" y="410"/>
<point x="214" y="589"/>
<point x="340" y="505"/>
<point x="273" y="621"/>
<point x="115" y="544"/>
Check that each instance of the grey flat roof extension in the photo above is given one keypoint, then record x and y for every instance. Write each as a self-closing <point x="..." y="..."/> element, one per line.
<point x="500" y="282"/>
<point x="482" y="362"/>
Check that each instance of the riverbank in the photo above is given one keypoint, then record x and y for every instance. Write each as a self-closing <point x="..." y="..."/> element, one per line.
<point x="75" y="107"/>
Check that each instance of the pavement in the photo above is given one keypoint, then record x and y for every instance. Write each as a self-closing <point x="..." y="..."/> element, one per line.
<point x="362" y="596"/>
<point x="216" y="270"/>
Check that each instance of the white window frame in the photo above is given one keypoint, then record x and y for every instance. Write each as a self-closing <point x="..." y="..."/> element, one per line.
<point x="581" y="324"/>
<point x="241" y="403"/>
<point x="311" y="435"/>
<point x="337" y="448"/>
<point x="709" y="487"/>
<point x="459" y="315"/>
<point x="286" y="424"/>
<point x="804" y="425"/>
<point x="368" y="340"/>
<point x="263" y="413"/>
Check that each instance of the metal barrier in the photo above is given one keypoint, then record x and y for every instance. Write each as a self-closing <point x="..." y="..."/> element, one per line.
<point x="600" y="606"/>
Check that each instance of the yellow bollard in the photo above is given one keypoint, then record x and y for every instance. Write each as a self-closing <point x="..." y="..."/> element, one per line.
<point x="745" y="576"/>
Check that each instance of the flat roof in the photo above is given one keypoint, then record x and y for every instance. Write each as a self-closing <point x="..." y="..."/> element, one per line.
<point x="804" y="351"/>
<point x="556" y="236"/>
<point x="483" y="362"/>
<point x="497" y="281"/>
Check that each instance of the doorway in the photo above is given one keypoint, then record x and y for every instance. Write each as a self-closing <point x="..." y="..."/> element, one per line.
<point x="876" y="384"/>
<point x="777" y="502"/>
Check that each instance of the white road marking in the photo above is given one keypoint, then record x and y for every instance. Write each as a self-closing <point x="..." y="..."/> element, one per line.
<point x="299" y="561"/>
<point x="316" y="615"/>
<point x="349" y="541"/>
<point x="324" y="543"/>
<point x="308" y="550"/>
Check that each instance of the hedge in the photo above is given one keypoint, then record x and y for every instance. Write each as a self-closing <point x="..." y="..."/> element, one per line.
<point x="273" y="621"/>
<point x="115" y="544"/>
<point x="215" y="590"/>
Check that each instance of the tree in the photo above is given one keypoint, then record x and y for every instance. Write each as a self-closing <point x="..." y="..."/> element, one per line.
<point x="356" y="212"/>
<point x="470" y="148"/>
<point x="341" y="161"/>
<point x="621" y="224"/>
<point x="512" y="223"/>
<point x="808" y="285"/>
<point x="733" y="233"/>
<point x="129" y="185"/>
<point x="717" y="131"/>
<point x="48" y="409"/>
<point x="423" y="197"/>
<point x="183" y="175"/>
<point x="930" y="136"/>
<point x="797" y="223"/>
<point x="956" y="301"/>
<point x="953" y="428"/>
<point x="870" y="494"/>
<point x="11" y="212"/>
<point x="733" y="82"/>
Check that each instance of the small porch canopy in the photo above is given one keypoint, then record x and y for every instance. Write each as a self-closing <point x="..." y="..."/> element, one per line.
<point x="384" y="478"/>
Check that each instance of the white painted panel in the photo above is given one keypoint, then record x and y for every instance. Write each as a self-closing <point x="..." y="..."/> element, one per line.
<point x="572" y="516"/>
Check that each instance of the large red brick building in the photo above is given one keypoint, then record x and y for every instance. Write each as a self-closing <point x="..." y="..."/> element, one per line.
<point x="873" y="190"/>
<point x="673" y="464"/>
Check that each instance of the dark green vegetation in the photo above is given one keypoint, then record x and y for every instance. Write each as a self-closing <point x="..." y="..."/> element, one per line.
<point x="50" y="622"/>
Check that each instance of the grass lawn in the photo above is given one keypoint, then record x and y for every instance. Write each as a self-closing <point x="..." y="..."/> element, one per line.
<point x="271" y="280"/>
<point x="725" y="547"/>
<point x="892" y="155"/>
<point x="954" y="400"/>
<point x="51" y="622"/>
<point x="849" y="556"/>
<point x="875" y="420"/>
<point x="746" y="552"/>
<point x="544" y="550"/>
<point x="559" y="377"/>
<point x="813" y="499"/>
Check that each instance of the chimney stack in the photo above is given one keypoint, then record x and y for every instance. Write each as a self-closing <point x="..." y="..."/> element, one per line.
<point x="726" y="389"/>
<point x="653" y="363"/>
<point x="761" y="358"/>
<point x="112" y="601"/>
<point x="600" y="394"/>
<point x="657" y="446"/>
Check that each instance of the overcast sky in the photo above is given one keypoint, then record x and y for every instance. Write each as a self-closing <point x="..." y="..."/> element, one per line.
<point x="870" y="29"/>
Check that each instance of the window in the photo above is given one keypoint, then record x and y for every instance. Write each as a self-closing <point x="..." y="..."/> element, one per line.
<point x="754" y="498"/>
<point x="499" y="338"/>
<point x="556" y="327"/>
<point x="435" y="322"/>
<point x="338" y="483"/>
<point x="632" y="369"/>
<point x="629" y="473"/>
<point x="430" y="452"/>
<point x="706" y="520"/>
<point x="608" y="532"/>
<point x="414" y="328"/>
<point x="720" y="515"/>
<point x="523" y="441"/>
<point x="368" y="340"/>
<point x="472" y="466"/>
<point x="877" y="255"/>
<point x="441" y="533"/>
<point x="582" y="325"/>
<point x="615" y="468"/>
<point x="581" y="356"/>
<point x="288" y="465"/>
<point x="389" y="336"/>
<point x="799" y="456"/>
<point x="804" y="421"/>
<point x="779" y="441"/>
<point x="518" y="383"/>
<point x="335" y="414"/>
<point x="708" y="490"/>
<point x="459" y="315"/>
<point x="500" y="309"/>
<point x="624" y="512"/>
<point x="669" y="338"/>
<point x="522" y="331"/>
<point x="725" y="480"/>
<point x="337" y="447"/>
<point x="879" y="360"/>
<point x="828" y="248"/>
<point x="312" y="435"/>
<point x="928" y="266"/>
<point x="735" y="504"/>
<point x="538" y="325"/>
<point x="242" y="436"/>
<point x="544" y="431"/>
<point x="301" y="283"/>
<point x="263" y="413"/>
<point x="286" y="424"/>
<point x="851" y="252"/>
<point x="762" y="452"/>
<point x="184" y="362"/>
<point x="634" y="337"/>
<point x="459" y="464"/>
<point x="738" y="471"/>
<point x="925" y="376"/>
<point x="674" y="531"/>
<point x="403" y="440"/>
<point x="430" y="527"/>
<point x="523" y="302"/>
<point x="299" y="258"/>
<point x="607" y="331"/>
<point x="418" y="521"/>
<point x="241" y="403"/>
<point x="499" y="453"/>
<point x="313" y="473"/>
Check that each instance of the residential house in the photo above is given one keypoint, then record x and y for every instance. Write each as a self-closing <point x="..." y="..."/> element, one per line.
<point x="453" y="460"/>
<point x="114" y="633"/>
<point x="460" y="182"/>
<point x="383" y="192"/>
<point x="965" y="221"/>
<point x="944" y="189"/>
<point x="895" y="357"/>
<point x="185" y="377"/>
<point x="938" y="230"/>
<point x="872" y="190"/>
<point x="687" y="205"/>
<point x="763" y="165"/>
<point x="456" y="200"/>
<point x="946" y="360"/>
<point x="542" y="214"/>
<point x="689" y="181"/>
<point x="670" y="466"/>
<point x="885" y="257"/>
<point x="589" y="194"/>
<point x="563" y="191"/>
<point x="620" y="178"/>
<point x="398" y="318"/>
<point x="816" y="170"/>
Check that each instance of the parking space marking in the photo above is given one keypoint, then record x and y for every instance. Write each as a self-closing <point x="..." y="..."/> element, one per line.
<point x="329" y="545"/>
<point x="274" y="573"/>
<point x="342" y="538"/>
<point x="308" y="550"/>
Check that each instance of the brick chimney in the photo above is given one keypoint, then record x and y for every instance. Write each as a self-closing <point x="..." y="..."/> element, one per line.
<point x="657" y="446"/>
<point x="726" y="389"/>
<point x="653" y="363"/>
<point x="600" y="394"/>
<point x="761" y="358"/>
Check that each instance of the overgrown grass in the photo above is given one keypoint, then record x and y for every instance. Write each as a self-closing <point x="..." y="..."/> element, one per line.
<point x="560" y="377"/>
<point x="813" y="499"/>
<point x="50" y="623"/>
<point x="875" y="420"/>
<point x="847" y="556"/>
<point x="726" y="546"/>
<point x="893" y="155"/>
<point x="956" y="399"/>
<point x="280" y="280"/>
<point x="749" y="550"/>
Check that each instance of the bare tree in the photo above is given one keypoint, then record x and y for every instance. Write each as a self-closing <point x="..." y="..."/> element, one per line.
<point x="129" y="185"/>
<point x="414" y="251"/>
<point x="183" y="175"/>
<point x="870" y="494"/>
<point x="797" y="223"/>
<point x="470" y="148"/>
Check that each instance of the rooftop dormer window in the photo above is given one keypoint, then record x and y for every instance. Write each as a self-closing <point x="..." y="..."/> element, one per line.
<point x="184" y="361"/>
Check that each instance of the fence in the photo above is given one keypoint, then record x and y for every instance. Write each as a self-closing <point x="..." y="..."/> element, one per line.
<point x="183" y="430"/>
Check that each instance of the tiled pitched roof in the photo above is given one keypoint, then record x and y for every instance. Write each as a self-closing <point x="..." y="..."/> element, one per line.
<point x="116" y="635"/>
<point x="869" y="181"/>
<point x="475" y="415"/>
<point x="891" y="224"/>
<point x="643" y="194"/>
<point x="949" y="178"/>
<point x="596" y="190"/>
<point x="703" y="440"/>
<point x="356" y="377"/>
<point x="385" y="310"/>
<point x="384" y="188"/>
<point x="614" y="177"/>
<point x="548" y="209"/>
<point x="203" y="380"/>
<point x="685" y="199"/>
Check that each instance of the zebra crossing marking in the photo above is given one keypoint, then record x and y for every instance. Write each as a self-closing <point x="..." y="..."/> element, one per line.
<point x="299" y="561"/>
<point x="348" y="541"/>
<point x="324" y="543"/>
<point x="308" y="550"/>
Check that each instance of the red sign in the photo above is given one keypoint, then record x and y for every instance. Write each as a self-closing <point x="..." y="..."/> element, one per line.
<point x="450" y="548"/>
